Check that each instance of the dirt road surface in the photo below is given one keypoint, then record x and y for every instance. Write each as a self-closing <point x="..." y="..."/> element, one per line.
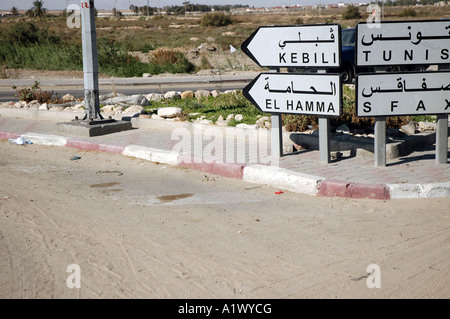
<point x="141" y="230"/>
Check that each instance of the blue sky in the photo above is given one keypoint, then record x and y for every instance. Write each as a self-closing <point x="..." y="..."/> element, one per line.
<point x="124" y="4"/>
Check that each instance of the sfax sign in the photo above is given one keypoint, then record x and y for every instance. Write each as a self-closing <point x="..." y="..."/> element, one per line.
<point x="384" y="94"/>
<point x="403" y="42"/>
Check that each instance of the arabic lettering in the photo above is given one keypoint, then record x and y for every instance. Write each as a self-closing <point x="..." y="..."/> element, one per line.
<point x="290" y="89"/>
<point x="415" y="39"/>
<point x="282" y="43"/>
<point x="401" y="87"/>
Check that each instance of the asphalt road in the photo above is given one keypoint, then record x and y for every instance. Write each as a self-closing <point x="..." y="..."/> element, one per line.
<point x="7" y="93"/>
<point x="128" y="86"/>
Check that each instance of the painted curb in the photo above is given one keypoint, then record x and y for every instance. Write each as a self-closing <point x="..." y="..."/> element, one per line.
<point x="151" y="154"/>
<point x="44" y="139"/>
<point x="7" y="136"/>
<point x="282" y="178"/>
<point x="230" y="170"/>
<point x="419" y="190"/>
<point x="90" y="146"/>
<point x="340" y="188"/>
<point x="261" y="174"/>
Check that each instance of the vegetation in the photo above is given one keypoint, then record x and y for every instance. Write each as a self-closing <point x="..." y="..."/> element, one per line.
<point x="25" y="45"/>
<point x="212" y="108"/>
<point x="408" y="12"/>
<point x="351" y="13"/>
<point x="216" y="19"/>
<point x="35" y="93"/>
<point x="38" y="9"/>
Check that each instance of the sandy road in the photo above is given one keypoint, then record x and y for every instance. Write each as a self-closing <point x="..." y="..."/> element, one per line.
<point x="141" y="230"/>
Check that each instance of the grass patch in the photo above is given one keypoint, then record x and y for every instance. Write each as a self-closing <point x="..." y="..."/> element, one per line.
<point x="212" y="108"/>
<point x="29" y="47"/>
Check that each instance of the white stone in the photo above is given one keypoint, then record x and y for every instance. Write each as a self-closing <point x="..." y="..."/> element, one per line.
<point x="169" y="112"/>
<point x="172" y="95"/>
<point x="34" y="104"/>
<point x="157" y="117"/>
<point x="133" y="109"/>
<point x="230" y="117"/>
<point x="262" y="122"/>
<point x="44" y="107"/>
<point x="238" y="117"/>
<point x="215" y="93"/>
<point x="202" y="93"/>
<point x="68" y="98"/>
<point x="155" y="97"/>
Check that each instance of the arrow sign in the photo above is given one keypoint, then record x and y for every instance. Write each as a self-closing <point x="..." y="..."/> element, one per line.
<point x="294" y="93"/>
<point x="406" y="93"/>
<point x="295" y="46"/>
<point x="403" y="43"/>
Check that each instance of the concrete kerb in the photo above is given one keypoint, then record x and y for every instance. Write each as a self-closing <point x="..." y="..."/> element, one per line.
<point x="282" y="178"/>
<point x="260" y="174"/>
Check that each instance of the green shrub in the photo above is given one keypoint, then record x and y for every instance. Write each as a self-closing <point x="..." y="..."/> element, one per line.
<point x="351" y="12"/>
<point x="216" y="19"/>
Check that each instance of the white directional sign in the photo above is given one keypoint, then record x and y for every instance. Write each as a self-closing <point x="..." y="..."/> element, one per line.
<point x="403" y="42"/>
<point x="295" y="46"/>
<point x="294" y="93"/>
<point x="384" y="94"/>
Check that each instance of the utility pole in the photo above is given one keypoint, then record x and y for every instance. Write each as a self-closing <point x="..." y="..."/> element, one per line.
<point x="90" y="62"/>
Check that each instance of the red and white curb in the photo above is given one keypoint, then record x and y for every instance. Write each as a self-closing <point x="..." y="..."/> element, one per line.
<point x="276" y="177"/>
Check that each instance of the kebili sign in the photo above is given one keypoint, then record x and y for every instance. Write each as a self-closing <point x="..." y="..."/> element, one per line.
<point x="383" y="94"/>
<point x="294" y="93"/>
<point x="403" y="42"/>
<point x="295" y="46"/>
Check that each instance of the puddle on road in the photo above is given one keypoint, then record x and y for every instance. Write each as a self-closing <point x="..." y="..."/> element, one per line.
<point x="102" y="185"/>
<point x="171" y="198"/>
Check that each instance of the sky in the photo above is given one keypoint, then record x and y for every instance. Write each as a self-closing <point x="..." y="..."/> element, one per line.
<point x="125" y="4"/>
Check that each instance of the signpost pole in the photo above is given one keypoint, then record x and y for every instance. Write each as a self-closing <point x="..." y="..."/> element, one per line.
<point x="276" y="131"/>
<point x="380" y="141"/>
<point x="90" y="60"/>
<point x="441" y="138"/>
<point x="324" y="136"/>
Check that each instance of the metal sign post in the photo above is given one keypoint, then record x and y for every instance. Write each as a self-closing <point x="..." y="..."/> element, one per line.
<point x="404" y="94"/>
<point x="306" y="46"/>
<point x="90" y="60"/>
<point x="276" y="134"/>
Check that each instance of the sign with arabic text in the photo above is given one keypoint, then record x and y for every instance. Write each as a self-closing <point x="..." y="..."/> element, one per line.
<point x="403" y="42"/>
<point x="421" y="93"/>
<point x="295" y="46"/>
<point x="295" y="93"/>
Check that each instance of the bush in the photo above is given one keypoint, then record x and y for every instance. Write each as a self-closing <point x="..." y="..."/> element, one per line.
<point x="216" y="19"/>
<point x="169" y="60"/>
<point x="299" y="20"/>
<point x="408" y="12"/>
<point x="352" y="12"/>
<point x="27" y="34"/>
<point x="35" y="93"/>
